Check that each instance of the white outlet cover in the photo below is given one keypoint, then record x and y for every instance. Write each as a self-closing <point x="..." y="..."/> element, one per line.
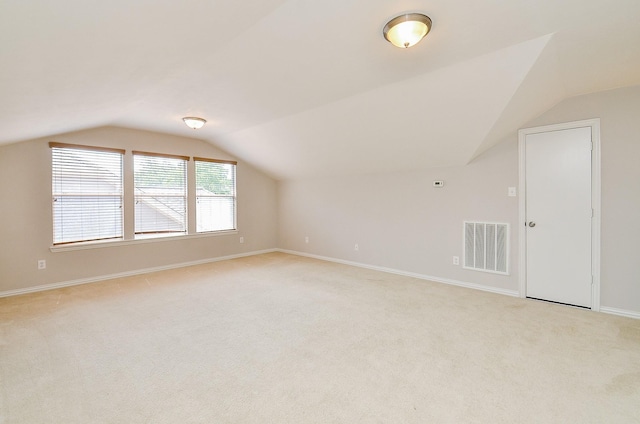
<point x="512" y="192"/>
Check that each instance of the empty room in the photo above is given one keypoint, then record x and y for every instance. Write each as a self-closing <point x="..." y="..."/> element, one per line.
<point x="295" y="211"/>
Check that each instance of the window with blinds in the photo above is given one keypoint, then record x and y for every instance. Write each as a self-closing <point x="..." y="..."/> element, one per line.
<point x="87" y="193"/>
<point x="215" y="195"/>
<point x="160" y="184"/>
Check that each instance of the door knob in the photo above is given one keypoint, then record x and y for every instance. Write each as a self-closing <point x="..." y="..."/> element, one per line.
<point x="532" y="224"/>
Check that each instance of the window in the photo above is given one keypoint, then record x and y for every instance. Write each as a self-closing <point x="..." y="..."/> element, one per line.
<point x="215" y="195"/>
<point x="87" y="193"/>
<point x="98" y="196"/>
<point x="160" y="184"/>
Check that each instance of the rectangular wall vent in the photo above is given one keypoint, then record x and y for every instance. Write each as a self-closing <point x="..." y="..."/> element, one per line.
<point x="486" y="247"/>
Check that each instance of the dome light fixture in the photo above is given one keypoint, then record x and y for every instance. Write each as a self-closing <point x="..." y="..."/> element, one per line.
<point x="194" y="122"/>
<point x="407" y="30"/>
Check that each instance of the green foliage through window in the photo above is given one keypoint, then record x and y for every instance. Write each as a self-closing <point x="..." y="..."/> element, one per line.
<point x="216" y="178"/>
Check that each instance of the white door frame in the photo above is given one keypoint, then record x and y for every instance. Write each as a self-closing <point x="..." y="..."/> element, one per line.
<point x="594" y="124"/>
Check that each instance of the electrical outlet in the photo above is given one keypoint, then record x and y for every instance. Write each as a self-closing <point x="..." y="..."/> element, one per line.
<point x="511" y="192"/>
<point x="456" y="260"/>
<point x="241" y="239"/>
<point x="306" y="239"/>
<point x="42" y="264"/>
<point x="356" y="247"/>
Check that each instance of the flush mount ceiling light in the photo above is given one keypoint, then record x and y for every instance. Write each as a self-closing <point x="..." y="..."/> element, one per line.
<point x="194" y="122"/>
<point x="407" y="30"/>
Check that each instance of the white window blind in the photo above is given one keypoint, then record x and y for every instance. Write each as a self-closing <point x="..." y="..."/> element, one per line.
<point x="160" y="183"/>
<point x="215" y="195"/>
<point x="86" y="192"/>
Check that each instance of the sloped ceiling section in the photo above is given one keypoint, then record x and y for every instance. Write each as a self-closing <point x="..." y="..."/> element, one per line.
<point x="306" y="88"/>
<point x="539" y="90"/>
<point x="436" y="119"/>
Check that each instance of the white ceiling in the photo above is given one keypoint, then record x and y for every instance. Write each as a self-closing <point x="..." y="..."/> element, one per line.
<point x="306" y="88"/>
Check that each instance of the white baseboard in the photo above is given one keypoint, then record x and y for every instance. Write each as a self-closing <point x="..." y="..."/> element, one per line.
<point x="620" y="312"/>
<point x="513" y="293"/>
<point x="127" y="274"/>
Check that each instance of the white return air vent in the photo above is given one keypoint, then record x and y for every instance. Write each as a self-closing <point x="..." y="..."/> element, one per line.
<point x="486" y="247"/>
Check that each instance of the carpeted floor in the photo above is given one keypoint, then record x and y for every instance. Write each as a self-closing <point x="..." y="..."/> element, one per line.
<point x="278" y="338"/>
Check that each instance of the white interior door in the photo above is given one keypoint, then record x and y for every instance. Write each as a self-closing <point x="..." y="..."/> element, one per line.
<point x="558" y="216"/>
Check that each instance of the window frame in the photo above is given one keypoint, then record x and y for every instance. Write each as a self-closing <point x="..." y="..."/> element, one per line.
<point x="233" y="196"/>
<point x="57" y="195"/>
<point x="162" y="233"/>
<point x="129" y="237"/>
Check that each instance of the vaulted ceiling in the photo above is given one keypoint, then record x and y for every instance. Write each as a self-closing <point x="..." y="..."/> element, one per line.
<point x="306" y="88"/>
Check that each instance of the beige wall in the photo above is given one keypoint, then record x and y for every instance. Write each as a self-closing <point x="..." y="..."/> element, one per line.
<point x="26" y="223"/>
<point x="400" y="221"/>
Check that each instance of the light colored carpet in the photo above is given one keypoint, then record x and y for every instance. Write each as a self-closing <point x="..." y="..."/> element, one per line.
<point x="278" y="338"/>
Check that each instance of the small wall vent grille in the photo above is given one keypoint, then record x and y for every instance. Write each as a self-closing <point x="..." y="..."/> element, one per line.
<point x="486" y="247"/>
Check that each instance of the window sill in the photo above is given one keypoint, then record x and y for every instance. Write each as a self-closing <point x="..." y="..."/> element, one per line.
<point x="114" y="243"/>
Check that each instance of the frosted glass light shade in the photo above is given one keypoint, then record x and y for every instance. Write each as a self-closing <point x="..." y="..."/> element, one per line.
<point x="407" y="30"/>
<point x="194" y="122"/>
